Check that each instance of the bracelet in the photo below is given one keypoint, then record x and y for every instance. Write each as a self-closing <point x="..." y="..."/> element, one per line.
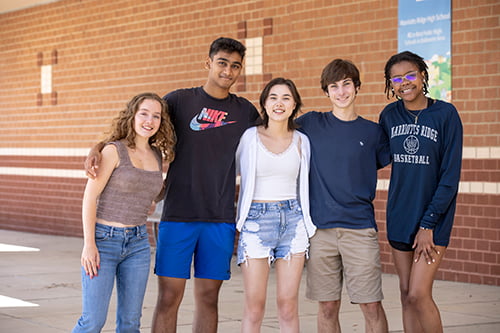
<point x="424" y="228"/>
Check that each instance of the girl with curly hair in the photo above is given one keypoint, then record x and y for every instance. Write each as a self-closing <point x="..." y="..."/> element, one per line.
<point x="114" y="213"/>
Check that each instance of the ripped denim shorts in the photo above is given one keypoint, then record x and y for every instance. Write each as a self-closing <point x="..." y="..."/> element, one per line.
<point x="273" y="230"/>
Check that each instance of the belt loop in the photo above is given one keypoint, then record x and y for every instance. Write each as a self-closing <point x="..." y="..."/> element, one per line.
<point x="111" y="229"/>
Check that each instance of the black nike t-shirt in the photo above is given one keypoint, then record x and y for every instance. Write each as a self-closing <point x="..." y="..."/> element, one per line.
<point x="201" y="179"/>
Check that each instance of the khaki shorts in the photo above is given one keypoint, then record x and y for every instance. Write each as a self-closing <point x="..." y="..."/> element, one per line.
<point x="350" y="254"/>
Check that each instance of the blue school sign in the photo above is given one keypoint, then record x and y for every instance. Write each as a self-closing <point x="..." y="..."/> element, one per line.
<point x="424" y="27"/>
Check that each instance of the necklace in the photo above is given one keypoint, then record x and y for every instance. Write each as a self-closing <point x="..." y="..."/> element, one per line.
<point x="414" y="115"/>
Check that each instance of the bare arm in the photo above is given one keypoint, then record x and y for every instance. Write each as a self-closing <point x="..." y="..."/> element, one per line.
<point x="90" y="259"/>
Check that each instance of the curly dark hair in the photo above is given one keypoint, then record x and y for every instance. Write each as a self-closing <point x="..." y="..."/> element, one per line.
<point x="409" y="57"/>
<point x="122" y="126"/>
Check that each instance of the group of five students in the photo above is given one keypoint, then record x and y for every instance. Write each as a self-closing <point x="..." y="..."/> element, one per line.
<point x="307" y="188"/>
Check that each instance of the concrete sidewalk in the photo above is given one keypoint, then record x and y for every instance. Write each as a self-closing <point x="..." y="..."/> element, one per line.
<point x="49" y="280"/>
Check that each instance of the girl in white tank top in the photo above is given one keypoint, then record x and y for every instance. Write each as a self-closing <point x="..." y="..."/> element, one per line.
<point x="273" y="207"/>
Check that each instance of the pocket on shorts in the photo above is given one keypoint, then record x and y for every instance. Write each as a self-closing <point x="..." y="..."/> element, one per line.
<point x="297" y="210"/>
<point x="252" y="223"/>
<point x="372" y="233"/>
<point x="254" y="214"/>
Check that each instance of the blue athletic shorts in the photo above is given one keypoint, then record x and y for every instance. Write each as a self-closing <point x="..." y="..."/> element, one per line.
<point x="211" y="244"/>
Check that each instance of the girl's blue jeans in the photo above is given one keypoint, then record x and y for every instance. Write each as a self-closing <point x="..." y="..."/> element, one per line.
<point x="125" y="255"/>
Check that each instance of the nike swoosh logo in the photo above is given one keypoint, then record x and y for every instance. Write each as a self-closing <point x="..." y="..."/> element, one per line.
<point x="205" y="120"/>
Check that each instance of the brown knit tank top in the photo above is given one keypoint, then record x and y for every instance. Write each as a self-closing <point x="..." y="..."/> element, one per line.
<point x="130" y="191"/>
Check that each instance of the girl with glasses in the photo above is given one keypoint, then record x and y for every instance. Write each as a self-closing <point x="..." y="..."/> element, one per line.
<point x="426" y="150"/>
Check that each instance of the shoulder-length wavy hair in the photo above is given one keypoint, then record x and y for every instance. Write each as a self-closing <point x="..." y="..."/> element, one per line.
<point x="122" y="127"/>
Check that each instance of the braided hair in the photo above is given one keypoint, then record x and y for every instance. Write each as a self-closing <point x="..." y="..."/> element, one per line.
<point x="409" y="57"/>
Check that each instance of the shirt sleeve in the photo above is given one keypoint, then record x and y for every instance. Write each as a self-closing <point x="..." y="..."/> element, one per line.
<point x="383" y="150"/>
<point x="171" y="99"/>
<point x="449" y="172"/>
<point x="254" y="115"/>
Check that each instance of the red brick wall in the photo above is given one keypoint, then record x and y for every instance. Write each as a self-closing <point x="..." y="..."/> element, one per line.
<point x="104" y="52"/>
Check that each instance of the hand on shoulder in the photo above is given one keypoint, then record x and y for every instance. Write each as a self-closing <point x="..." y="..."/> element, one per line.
<point x="93" y="160"/>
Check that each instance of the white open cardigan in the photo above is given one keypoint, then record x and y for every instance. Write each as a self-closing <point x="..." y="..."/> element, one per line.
<point x="246" y="164"/>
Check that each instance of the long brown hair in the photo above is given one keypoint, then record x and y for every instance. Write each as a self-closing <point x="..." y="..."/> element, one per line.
<point x="122" y="127"/>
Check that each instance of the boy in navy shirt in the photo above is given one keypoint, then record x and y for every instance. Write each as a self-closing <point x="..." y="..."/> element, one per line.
<point x="346" y="152"/>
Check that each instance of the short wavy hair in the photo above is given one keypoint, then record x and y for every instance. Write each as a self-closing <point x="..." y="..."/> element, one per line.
<point x="337" y="70"/>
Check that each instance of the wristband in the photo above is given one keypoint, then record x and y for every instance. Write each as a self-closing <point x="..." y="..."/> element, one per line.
<point x="424" y="228"/>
